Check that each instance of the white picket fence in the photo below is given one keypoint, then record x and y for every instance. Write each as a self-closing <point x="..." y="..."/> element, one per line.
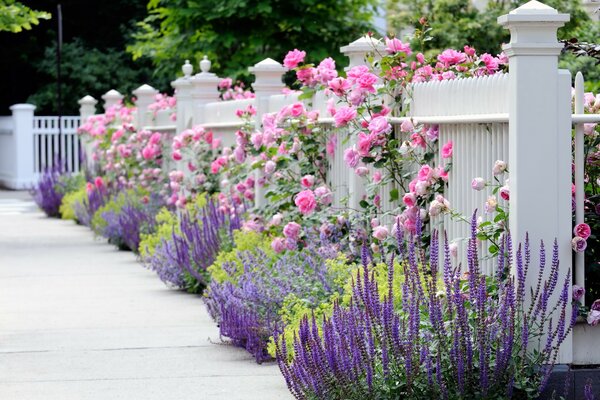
<point x="29" y="144"/>
<point x="524" y="117"/>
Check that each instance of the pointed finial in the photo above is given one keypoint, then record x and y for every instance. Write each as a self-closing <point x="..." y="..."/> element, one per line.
<point x="205" y="64"/>
<point x="187" y="69"/>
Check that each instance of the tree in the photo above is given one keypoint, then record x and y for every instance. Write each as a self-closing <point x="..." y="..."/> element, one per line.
<point x="238" y="33"/>
<point x="15" y="16"/>
<point x="455" y="23"/>
<point x="89" y="70"/>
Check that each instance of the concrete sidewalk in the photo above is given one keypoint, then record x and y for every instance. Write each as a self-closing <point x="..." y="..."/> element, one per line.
<point x="80" y="320"/>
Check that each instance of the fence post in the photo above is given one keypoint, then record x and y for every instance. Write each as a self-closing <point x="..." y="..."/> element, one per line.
<point x="183" y="94"/>
<point x="145" y="95"/>
<point x="357" y="53"/>
<point x="87" y="108"/>
<point x="111" y="98"/>
<point x="24" y="176"/>
<point x="268" y="82"/>
<point x="205" y="90"/>
<point x="540" y="119"/>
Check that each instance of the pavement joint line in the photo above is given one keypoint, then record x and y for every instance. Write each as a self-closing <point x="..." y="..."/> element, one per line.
<point x="142" y="378"/>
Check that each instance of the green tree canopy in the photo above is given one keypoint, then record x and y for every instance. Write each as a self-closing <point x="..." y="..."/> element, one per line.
<point x="455" y="23"/>
<point x="15" y="16"/>
<point x="238" y="33"/>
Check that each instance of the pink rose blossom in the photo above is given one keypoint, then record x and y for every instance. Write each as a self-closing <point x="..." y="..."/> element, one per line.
<point x="367" y="82"/>
<point x="365" y="142"/>
<point x="362" y="171"/>
<point x="447" y="149"/>
<point x="278" y="245"/>
<point x="582" y="230"/>
<point x="270" y="167"/>
<point x="176" y="155"/>
<point x="344" y="115"/>
<point x="297" y="109"/>
<point x="593" y="317"/>
<point x="451" y="57"/>
<point x="307" y="181"/>
<point x="407" y="126"/>
<point x="394" y="45"/>
<point x="305" y="201"/>
<point x="339" y="86"/>
<point x="377" y="177"/>
<point x="351" y="157"/>
<point x="578" y="244"/>
<point x="324" y="195"/>
<point x="306" y="76"/>
<point x="291" y="230"/>
<point x="499" y="167"/>
<point x="478" y="184"/>
<point x="578" y="293"/>
<point x="293" y="58"/>
<point x="356" y="72"/>
<point x="380" y="232"/>
<point x="504" y="193"/>
<point x="379" y="125"/>
<point x="409" y="199"/>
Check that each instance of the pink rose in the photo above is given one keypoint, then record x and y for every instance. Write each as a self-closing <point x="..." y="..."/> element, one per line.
<point x="324" y="195"/>
<point x="99" y="182"/>
<point x="425" y="173"/>
<point x="409" y="199"/>
<point x="351" y="157"/>
<point x="380" y="232"/>
<point x="297" y="109"/>
<point x="355" y="73"/>
<point x="478" y="184"/>
<point x="176" y="155"/>
<point x="504" y="193"/>
<point x="277" y="219"/>
<point x="291" y="230"/>
<point x="344" y="115"/>
<point x="339" y="86"/>
<point x="396" y="46"/>
<point x="578" y="244"/>
<point x="306" y="76"/>
<point x="447" y="149"/>
<point x="578" y="293"/>
<point x="293" y="58"/>
<point x="499" y="167"/>
<point x="367" y="82"/>
<point x="451" y="57"/>
<point x="453" y="247"/>
<point x="407" y="126"/>
<point x="582" y="230"/>
<point x="270" y="167"/>
<point x="364" y="143"/>
<point x="377" y="177"/>
<point x="307" y="181"/>
<point x="362" y="171"/>
<point x="593" y="317"/>
<point x="278" y="245"/>
<point x="305" y="201"/>
<point x="379" y="125"/>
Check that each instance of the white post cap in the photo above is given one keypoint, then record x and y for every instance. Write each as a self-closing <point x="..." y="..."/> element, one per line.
<point x="533" y="28"/>
<point x="87" y="100"/>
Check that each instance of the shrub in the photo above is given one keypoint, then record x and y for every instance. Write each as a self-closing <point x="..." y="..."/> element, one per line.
<point x="182" y="258"/>
<point x="247" y="305"/>
<point x="46" y="192"/>
<point x="464" y="338"/>
<point x="125" y="217"/>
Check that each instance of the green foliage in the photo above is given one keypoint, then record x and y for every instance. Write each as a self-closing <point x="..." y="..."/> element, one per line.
<point x="16" y="16"/>
<point x="244" y="241"/>
<point x="67" y="207"/>
<point x="88" y="70"/>
<point x="236" y="34"/>
<point x="455" y="23"/>
<point x="342" y="274"/>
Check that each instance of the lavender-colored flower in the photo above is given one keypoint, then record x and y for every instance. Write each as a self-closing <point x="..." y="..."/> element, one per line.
<point x="466" y="344"/>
